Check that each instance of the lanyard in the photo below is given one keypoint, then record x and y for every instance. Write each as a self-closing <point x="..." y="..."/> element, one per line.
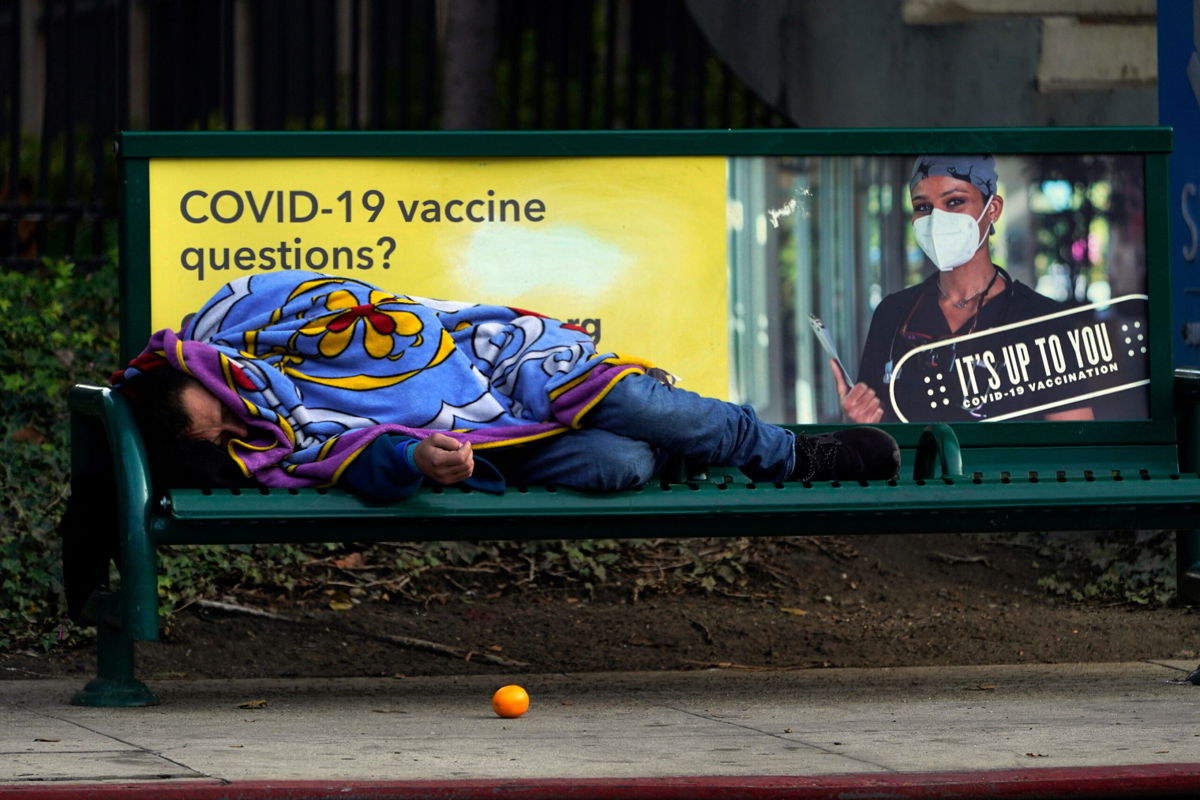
<point x="918" y="339"/>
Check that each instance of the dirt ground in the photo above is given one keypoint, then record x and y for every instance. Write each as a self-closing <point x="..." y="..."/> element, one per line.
<point x="853" y="602"/>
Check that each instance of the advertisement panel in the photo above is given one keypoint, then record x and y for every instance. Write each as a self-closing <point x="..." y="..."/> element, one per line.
<point x="632" y="250"/>
<point x="798" y="284"/>
<point x="1036" y="308"/>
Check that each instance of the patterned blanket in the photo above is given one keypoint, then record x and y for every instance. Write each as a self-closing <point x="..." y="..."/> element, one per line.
<point x="320" y="366"/>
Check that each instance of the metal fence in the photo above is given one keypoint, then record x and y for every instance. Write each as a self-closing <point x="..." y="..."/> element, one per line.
<point x="74" y="72"/>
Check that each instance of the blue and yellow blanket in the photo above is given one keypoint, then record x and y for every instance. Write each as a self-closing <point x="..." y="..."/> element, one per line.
<point x="319" y="366"/>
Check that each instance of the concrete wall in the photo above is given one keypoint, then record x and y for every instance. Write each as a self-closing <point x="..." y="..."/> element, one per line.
<point x="888" y="63"/>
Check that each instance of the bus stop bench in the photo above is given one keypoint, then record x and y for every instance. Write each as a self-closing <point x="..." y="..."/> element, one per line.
<point x="187" y="194"/>
<point x="946" y="485"/>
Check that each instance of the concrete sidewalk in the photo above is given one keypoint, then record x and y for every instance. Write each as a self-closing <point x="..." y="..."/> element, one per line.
<point x="1020" y="726"/>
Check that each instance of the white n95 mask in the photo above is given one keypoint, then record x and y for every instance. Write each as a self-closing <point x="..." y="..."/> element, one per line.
<point x="949" y="238"/>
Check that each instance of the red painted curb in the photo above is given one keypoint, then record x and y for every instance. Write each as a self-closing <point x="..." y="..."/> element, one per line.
<point x="1144" y="781"/>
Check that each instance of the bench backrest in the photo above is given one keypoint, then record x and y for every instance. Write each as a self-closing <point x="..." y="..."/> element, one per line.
<point x="678" y="246"/>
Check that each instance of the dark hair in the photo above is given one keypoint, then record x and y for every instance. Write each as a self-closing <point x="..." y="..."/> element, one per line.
<point x="175" y="460"/>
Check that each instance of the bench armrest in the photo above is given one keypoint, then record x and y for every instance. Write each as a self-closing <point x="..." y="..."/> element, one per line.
<point x="938" y="454"/>
<point x="102" y="418"/>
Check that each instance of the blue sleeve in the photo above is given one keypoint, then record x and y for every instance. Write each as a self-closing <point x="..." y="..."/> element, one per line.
<point x="385" y="470"/>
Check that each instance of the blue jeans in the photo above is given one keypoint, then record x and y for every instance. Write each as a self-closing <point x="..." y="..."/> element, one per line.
<point x="630" y="433"/>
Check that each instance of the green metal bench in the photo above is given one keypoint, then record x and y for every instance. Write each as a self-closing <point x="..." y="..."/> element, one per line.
<point x="1013" y="476"/>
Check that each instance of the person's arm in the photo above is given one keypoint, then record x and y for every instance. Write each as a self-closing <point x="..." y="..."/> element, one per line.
<point x="385" y="470"/>
<point x="1072" y="414"/>
<point x="444" y="458"/>
<point x="859" y="402"/>
<point x="393" y="467"/>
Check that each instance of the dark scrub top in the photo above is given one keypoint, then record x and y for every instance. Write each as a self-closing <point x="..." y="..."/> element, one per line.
<point x="911" y="318"/>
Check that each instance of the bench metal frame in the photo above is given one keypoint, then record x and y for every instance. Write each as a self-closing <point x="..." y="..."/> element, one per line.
<point x="1100" y="475"/>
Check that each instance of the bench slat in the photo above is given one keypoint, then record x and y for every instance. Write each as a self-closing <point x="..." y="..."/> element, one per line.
<point x="1160" y="500"/>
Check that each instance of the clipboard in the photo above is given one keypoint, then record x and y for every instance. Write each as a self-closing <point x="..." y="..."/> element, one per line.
<point x="827" y="344"/>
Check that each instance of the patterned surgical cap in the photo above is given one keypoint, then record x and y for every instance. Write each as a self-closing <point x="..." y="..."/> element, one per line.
<point x="977" y="170"/>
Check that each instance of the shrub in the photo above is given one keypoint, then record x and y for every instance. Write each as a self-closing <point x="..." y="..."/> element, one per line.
<point x="1136" y="567"/>
<point x="60" y="328"/>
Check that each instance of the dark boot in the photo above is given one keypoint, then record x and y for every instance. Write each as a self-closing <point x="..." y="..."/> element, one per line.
<point x="860" y="453"/>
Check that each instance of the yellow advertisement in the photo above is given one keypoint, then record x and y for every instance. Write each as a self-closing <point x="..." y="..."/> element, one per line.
<point x="633" y="250"/>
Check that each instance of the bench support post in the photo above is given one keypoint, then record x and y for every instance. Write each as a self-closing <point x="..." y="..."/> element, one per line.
<point x="1187" y="565"/>
<point x="114" y="685"/>
<point x="1187" y="420"/>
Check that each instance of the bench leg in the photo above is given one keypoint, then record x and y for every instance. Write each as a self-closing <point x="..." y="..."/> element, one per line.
<point x="1187" y="565"/>
<point x="114" y="685"/>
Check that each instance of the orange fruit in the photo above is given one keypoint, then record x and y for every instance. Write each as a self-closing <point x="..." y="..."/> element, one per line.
<point x="510" y="701"/>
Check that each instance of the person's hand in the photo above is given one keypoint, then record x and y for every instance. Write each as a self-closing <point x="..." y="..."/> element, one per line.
<point x="860" y="403"/>
<point x="444" y="458"/>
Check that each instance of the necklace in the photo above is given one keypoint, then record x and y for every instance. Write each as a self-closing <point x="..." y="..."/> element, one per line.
<point x="961" y="304"/>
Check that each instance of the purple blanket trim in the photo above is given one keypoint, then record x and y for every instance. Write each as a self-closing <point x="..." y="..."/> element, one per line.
<point x="262" y="459"/>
